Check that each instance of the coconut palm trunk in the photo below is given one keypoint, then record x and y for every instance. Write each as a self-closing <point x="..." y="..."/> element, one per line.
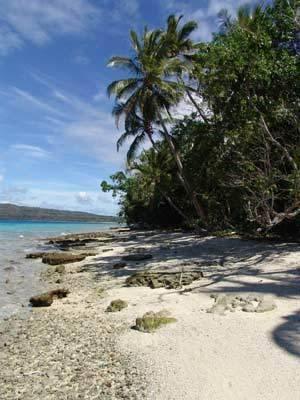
<point x="149" y="132"/>
<point x="180" y="173"/>
<point x="173" y="205"/>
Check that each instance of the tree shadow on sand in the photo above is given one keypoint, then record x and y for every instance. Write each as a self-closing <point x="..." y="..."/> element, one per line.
<point x="287" y="335"/>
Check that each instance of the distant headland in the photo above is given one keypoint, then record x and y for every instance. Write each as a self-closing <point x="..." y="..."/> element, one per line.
<point x="24" y="213"/>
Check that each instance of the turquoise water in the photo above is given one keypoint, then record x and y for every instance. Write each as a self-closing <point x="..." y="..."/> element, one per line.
<point x="19" y="277"/>
<point x="42" y="229"/>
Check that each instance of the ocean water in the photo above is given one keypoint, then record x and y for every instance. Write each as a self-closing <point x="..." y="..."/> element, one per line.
<point x="19" y="277"/>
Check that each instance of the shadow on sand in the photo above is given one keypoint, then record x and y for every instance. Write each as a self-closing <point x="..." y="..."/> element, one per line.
<point x="226" y="262"/>
<point x="287" y="335"/>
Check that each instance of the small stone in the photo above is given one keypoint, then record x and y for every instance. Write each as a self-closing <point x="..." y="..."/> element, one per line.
<point x="151" y="321"/>
<point x="117" y="305"/>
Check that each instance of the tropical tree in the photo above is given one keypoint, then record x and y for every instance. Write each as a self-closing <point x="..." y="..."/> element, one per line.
<point x="153" y="166"/>
<point x="178" y="43"/>
<point x="150" y="93"/>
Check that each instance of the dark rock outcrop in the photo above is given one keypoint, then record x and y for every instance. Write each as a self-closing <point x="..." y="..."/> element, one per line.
<point x="36" y="255"/>
<point x="62" y="258"/>
<point x="46" y="299"/>
<point x="168" y="280"/>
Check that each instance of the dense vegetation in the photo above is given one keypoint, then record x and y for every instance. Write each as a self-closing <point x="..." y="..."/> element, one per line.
<point x="234" y="162"/>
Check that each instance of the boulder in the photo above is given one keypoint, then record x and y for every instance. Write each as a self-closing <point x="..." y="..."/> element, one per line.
<point x="41" y="300"/>
<point x="117" y="305"/>
<point x="151" y="321"/>
<point x="62" y="258"/>
<point x="46" y="299"/>
<point x="168" y="280"/>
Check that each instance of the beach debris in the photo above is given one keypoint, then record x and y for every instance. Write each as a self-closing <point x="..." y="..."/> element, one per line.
<point x="151" y="321"/>
<point x="117" y="305"/>
<point x="247" y="303"/>
<point x="159" y="279"/>
<point x="46" y="299"/>
<point x="119" y="265"/>
<point x="137" y="257"/>
<point x="62" y="258"/>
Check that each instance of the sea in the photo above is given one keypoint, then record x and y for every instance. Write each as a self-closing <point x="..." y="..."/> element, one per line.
<point x="20" y="277"/>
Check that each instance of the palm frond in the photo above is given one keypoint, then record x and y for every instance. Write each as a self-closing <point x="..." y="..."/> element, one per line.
<point x="135" y="41"/>
<point x="133" y="149"/>
<point x="187" y="29"/>
<point x="124" y="62"/>
<point x="120" y="87"/>
<point x="122" y="139"/>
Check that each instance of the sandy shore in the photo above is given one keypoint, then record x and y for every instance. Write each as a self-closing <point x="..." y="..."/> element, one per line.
<point x="75" y="350"/>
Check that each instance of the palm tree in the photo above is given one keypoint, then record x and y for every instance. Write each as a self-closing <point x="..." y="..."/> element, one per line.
<point x="136" y="128"/>
<point x="177" y="38"/>
<point x="149" y="94"/>
<point x="178" y="44"/>
<point x="248" y="18"/>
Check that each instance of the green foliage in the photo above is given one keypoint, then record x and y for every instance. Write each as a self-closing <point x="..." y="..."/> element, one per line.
<point x="240" y="150"/>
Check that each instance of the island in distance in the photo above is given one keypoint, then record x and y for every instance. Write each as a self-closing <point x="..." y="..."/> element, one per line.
<point x="14" y="212"/>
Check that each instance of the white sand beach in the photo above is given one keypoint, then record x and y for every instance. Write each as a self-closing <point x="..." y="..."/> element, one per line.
<point x="208" y="356"/>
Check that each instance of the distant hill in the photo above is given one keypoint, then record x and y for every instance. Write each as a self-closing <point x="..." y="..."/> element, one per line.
<point x="22" y="213"/>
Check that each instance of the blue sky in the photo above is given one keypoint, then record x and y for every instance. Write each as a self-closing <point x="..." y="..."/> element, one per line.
<point x="57" y="135"/>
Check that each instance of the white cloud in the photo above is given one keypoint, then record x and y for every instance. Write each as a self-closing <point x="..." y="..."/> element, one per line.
<point x="1" y="178"/>
<point x="69" y="122"/>
<point x="83" y="198"/>
<point x="55" y="197"/>
<point x="8" y="41"/>
<point x="39" y="21"/>
<point x="12" y="194"/>
<point x="31" y="151"/>
<point x="124" y="9"/>
<point x="206" y="16"/>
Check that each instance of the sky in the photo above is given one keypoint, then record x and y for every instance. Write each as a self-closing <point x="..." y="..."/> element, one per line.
<point x="57" y="134"/>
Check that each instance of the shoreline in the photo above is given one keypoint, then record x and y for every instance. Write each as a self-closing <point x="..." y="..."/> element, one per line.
<point x="74" y="349"/>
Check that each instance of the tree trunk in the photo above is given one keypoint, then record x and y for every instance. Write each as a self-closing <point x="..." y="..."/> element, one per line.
<point x="173" y="205"/>
<point x="201" y="113"/>
<point x="192" y="195"/>
<point x="195" y="104"/>
<point x="149" y="132"/>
